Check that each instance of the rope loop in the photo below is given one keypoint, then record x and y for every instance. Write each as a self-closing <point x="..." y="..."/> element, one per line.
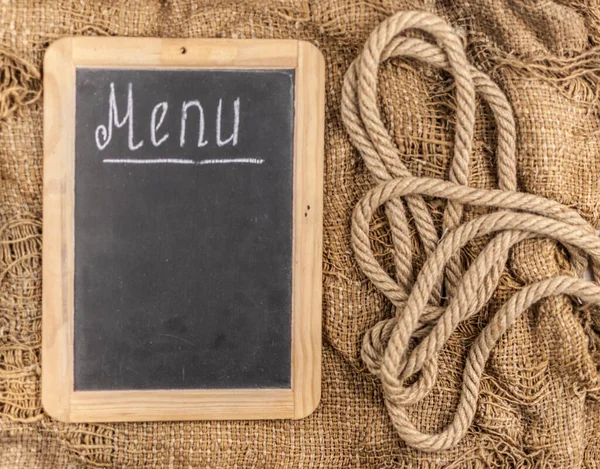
<point x="403" y="351"/>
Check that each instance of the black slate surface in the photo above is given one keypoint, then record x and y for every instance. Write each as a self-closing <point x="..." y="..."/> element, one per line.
<point x="183" y="269"/>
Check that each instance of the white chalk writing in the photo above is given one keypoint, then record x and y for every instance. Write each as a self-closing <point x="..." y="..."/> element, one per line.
<point x="184" y="161"/>
<point x="184" y="108"/>
<point x="104" y="132"/>
<point x="154" y="126"/>
<point x="236" y="123"/>
<point x="160" y="128"/>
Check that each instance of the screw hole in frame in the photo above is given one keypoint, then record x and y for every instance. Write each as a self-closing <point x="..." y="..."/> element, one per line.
<point x="183" y="50"/>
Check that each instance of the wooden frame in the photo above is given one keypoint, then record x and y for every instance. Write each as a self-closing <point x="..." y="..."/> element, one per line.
<point x="58" y="396"/>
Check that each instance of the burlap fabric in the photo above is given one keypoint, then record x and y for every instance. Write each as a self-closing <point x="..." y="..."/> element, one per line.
<point x="539" y="403"/>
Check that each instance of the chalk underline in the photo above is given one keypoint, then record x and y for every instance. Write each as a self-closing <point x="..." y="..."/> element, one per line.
<point x="183" y="161"/>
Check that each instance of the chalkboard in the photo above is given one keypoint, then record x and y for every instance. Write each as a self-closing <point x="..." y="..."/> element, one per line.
<point x="183" y="249"/>
<point x="182" y="222"/>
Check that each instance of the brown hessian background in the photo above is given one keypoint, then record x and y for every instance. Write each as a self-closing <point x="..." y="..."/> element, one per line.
<point x="539" y="401"/>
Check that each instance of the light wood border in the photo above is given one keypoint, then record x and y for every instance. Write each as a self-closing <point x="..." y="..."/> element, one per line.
<point x="58" y="396"/>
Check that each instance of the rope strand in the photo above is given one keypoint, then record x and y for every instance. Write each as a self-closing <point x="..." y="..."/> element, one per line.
<point x="404" y="349"/>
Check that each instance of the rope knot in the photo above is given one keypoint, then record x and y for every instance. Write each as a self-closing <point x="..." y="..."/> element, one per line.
<point x="403" y="351"/>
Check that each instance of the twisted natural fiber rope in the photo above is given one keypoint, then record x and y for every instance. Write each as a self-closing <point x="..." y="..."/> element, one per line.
<point x="419" y="315"/>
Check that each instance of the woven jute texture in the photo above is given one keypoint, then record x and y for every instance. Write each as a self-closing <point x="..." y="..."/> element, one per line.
<point x="539" y="400"/>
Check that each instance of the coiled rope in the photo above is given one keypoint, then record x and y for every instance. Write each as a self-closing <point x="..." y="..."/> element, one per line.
<point x="403" y="351"/>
